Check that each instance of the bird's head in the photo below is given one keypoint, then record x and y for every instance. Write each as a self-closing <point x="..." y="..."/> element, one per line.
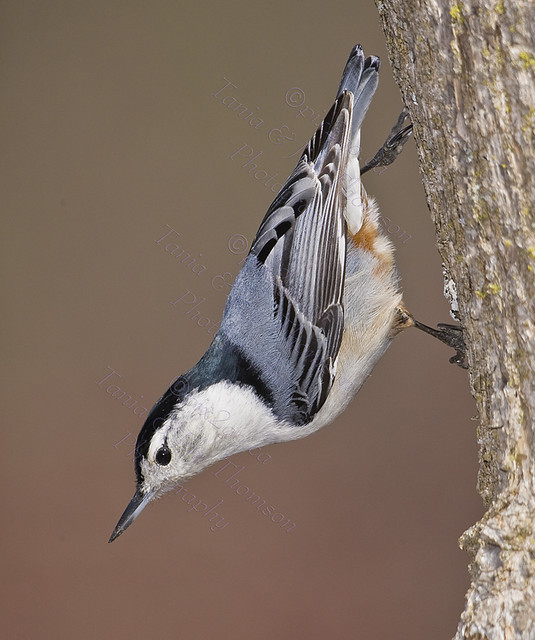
<point x="176" y="441"/>
<point x="206" y="415"/>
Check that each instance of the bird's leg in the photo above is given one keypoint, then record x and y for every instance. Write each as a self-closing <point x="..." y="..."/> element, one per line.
<point x="393" y="145"/>
<point x="450" y="334"/>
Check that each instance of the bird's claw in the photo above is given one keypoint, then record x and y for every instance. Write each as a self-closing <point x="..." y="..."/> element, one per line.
<point x="452" y="335"/>
<point x="393" y="145"/>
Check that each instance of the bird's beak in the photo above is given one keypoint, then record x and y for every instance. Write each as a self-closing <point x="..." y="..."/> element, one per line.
<point x="134" y="508"/>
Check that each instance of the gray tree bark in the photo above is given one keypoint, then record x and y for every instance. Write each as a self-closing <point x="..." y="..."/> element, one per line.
<point x="467" y="74"/>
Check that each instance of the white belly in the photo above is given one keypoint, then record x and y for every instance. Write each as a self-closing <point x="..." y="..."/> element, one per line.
<point x="370" y="302"/>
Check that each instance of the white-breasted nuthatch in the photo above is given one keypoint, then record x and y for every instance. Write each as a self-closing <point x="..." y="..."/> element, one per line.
<point x="314" y="307"/>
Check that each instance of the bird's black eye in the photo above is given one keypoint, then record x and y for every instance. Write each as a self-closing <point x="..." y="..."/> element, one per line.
<point x="163" y="456"/>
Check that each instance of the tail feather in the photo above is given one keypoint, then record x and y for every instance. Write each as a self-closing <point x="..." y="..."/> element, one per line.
<point x="360" y="77"/>
<point x="352" y="71"/>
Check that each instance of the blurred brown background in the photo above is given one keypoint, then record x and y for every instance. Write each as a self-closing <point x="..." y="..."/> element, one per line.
<point x="111" y="131"/>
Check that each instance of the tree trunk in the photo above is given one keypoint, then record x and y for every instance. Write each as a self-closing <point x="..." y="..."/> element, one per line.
<point x="467" y="74"/>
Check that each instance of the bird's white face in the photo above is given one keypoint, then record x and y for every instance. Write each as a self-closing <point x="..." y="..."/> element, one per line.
<point x="208" y="426"/>
<point x="169" y="449"/>
<point x="180" y="448"/>
<point x="203" y="428"/>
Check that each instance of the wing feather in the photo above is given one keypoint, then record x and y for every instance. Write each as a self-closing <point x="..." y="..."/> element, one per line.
<point x="284" y="315"/>
<point x="299" y="251"/>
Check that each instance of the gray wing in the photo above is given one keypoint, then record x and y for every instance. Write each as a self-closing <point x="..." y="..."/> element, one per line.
<point x="284" y="314"/>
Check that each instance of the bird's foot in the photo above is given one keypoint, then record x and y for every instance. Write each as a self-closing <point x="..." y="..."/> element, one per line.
<point x="393" y="145"/>
<point x="452" y="335"/>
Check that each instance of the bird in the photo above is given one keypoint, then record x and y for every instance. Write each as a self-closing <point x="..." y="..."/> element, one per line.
<point x="315" y="305"/>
